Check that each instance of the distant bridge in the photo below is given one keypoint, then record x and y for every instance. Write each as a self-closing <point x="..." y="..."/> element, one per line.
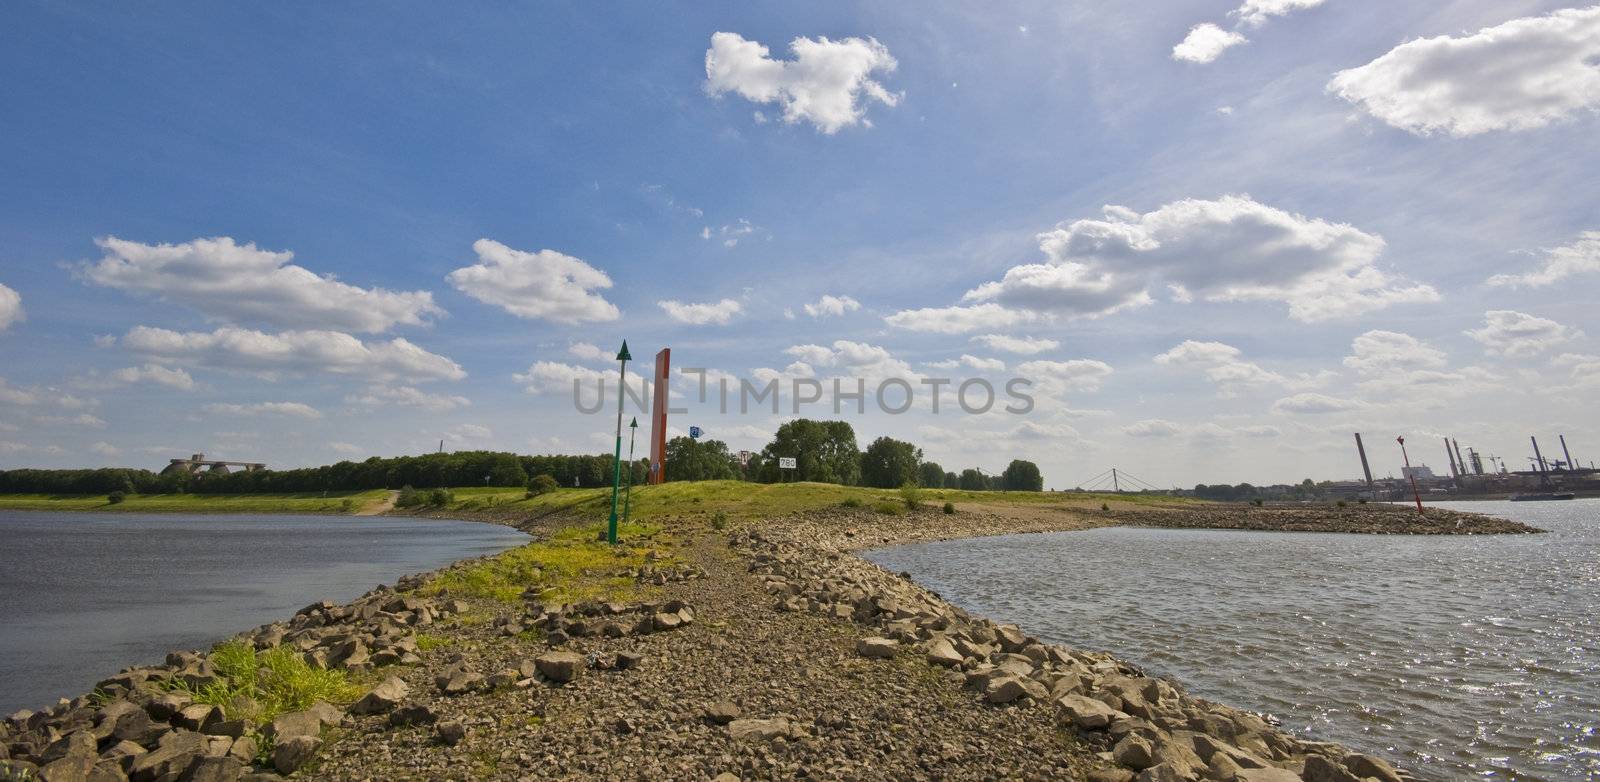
<point x="199" y="463"/>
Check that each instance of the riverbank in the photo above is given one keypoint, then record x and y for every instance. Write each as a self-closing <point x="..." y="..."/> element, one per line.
<point x="760" y="649"/>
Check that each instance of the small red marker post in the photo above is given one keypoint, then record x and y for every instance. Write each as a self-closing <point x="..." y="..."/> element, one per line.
<point x="1409" y="474"/>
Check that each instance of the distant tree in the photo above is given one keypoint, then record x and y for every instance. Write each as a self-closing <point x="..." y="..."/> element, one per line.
<point x="1022" y="476"/>
<point x="972" y="480"/>
<point x="824" y="451"/>
<point x="931" y="475"/>
<point x="542" y="484"/>
<point x="692" y="460"/>
<point x="889" y="463"/>
<point x="951" y="480"/>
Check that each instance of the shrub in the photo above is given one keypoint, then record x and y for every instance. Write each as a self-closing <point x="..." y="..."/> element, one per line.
<point x="1256" y="502"/>
<point x="408" y="498"/>
<point x="851" y="502"/>
<point x="1340" y="503"/>
<point x="1104" y="506"/>
<point x="889" y="508"/>
<point x="719" y="522"/>
<point x="911" y="495"/>
<point x="347" y="505"/>
<point x="440" y="497"/>
<point x="541" y="484"/>
<point x="1363" y="500"/>
<point x="116" y="497"/>
<point x="950" y="508"/>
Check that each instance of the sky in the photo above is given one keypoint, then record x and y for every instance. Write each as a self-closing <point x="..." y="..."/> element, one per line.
<point x="1210" y="239"/>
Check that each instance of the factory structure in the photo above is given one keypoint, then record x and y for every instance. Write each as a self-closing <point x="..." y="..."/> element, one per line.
<point x="198" y="463"/>
<point x="1471" y="472"/>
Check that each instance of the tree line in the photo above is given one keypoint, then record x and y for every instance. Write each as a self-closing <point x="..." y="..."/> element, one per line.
<point x="824" y="451"/>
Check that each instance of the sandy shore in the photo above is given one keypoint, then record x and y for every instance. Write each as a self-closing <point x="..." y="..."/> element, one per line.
<point x="765" y="650"/>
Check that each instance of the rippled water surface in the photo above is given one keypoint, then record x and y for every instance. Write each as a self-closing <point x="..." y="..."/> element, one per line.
<point x="1456" y="656"/>
<point x="85" y="595"/>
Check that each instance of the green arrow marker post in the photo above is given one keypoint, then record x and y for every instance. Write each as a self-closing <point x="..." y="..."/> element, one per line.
<point x="616" y="460"/>
<point x="627" y="493"/>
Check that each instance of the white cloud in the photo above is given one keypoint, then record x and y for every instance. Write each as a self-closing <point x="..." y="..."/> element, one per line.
<point x="1152" y="427"/>
<point x="827" y="83"/>
<point x="238" y="283"/>
<point x="1229" y="249"/>
<point x="1378" y="352"/>
<point x="720" y="312"/>
<point x="1256" y="12"/>
<point x="406" y="396"/>
<point x="590" y="352"/>
<point x="971" y="362"/>
<point x="1022" y="345"/>
<point x="292" y="352"/>
<point x="1315" y="403"/>
<point x="286" y="409"/>
<point x="1260" y="430"/>
<point x="348" y="449"/>
<point x="10" y="308"/>
<point x="548" y="376"/>
<point x="1515" y="334"/>
<point x="960" y="320"/>
<point x="1205" y="43"/>
<point x="1580" y="257"/>
<point x="1520" y="75"/>
<point x="1032" y="430"/>
<point x="832" y="305"/>
<point x="27" y="397"/>
<point x="468" y="433"/>
<point x="1225" y="366"/>
<point x="732" y="233"/>
<point x="103" y="448"/>
<point x="154" y="373"/>
<point x="81" y="419"/>
<point x="1079" y="374"/>
<point x="545" y="284"/>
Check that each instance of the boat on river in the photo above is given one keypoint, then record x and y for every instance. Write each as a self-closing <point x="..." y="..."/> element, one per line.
<point x="1541" y="496"/>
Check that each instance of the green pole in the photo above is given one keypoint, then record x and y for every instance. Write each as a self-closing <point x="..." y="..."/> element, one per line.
<point x="616" y="459"/>
<point x="627" y="494"/>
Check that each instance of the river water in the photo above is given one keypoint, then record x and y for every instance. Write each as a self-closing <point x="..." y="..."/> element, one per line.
<point x="85" y="595"/>
<point x="1455" y="656"/>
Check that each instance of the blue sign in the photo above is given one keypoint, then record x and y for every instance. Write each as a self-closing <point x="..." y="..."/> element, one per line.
<point x="694" y="433"/>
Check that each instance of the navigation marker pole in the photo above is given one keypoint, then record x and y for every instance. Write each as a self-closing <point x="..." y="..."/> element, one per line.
<point x="616" y="461"/>
<point x="627" y="493"/>
<point x="1413" y="476"/>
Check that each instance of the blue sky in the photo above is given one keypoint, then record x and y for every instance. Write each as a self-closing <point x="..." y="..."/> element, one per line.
<point x="1319" y="210"/>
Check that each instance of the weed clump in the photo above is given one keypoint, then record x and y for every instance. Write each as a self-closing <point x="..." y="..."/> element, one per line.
<point x="911" y="495"/>
<point x="950" y="509"/>
<point x="259" y="686"/>
<point x="719" y="522"/>
<point x="889" y="508"/>
<point x="116" y="497"/>
<point x="850" y="502"/>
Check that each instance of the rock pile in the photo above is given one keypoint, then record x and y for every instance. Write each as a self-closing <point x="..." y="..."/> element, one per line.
<point x="559" y="623"/>
<point x="1147" y="729"/>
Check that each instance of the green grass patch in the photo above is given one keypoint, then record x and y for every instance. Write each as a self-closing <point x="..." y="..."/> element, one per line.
<point x="312" y="502"/>
<point x="261" y="685"/>
<point x="572" y="564"/>
<point x="427" y="642"/>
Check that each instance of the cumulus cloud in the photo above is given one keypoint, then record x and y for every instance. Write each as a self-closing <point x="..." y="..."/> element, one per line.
<point x="960" y="319"/>
<point x="548" y="376"/>
<point x="543" y="285"/>
<point x="1520" y="75"/>
<point x="156" y="374"/>
<point x="828" y="83"/>
<point x="468" y="433"/>
<point x="1080" y="374"/>
<point x="104" y="448"/>
<point x="1515" y="334"/>
<point x="1229" y="249"/>
<point x="1205" y="43"/>
<point x="971" y="362"/>
<point x="41" y="396"/>
<point x="1225" y="366"/>
<point x="243" y="283"/>
<point x="1378" y="351"/>
<point x="1022" y="345"/>
<point x="348" y="449"/>
<point x="292" y="352"/>
<point x="406" y="396"/>
<point x="1256" y="12"/>
<point x="590" y="352"/>
<point x="10" y="308"/>
<point x="1315" y="403"/>
<point x="1580" y="257"/>
<point x="832" y="305"/>
<point x="719" y="312"/>
<point x="285" y="409"/>
<point x="1152" y="427"/>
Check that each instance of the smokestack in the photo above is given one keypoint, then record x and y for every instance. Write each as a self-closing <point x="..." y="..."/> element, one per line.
<point x="1565" y="452"/>
<point x="1450" y="458"/>
<point x="1364" y="468"/>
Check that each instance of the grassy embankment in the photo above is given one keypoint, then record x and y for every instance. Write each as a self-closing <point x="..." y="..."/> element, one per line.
<point x="332" y="502"/>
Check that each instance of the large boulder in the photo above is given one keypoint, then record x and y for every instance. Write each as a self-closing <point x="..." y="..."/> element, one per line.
<point x="941" y="652"/>
<point x="722" y="712"/>
<point x="1087" y="713"/>
<point x="169" y="760"/>
<point x="759" y="730"/>
<point x="383" y="698"/>
<point x="876" y="647"/>
<point x="1265" y="775"/>
<point x="1134" y="752"/>
<point x="1365" y="766"/>
<point x="292" y="752"/>
<point x="559" y="666"/>
<point x="222" y="769"/>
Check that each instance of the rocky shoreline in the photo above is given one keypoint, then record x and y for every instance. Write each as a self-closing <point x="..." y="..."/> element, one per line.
<point x="765" y="652"/>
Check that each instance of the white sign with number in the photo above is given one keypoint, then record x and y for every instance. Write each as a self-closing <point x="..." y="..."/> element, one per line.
<point x="786" y="463"/>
